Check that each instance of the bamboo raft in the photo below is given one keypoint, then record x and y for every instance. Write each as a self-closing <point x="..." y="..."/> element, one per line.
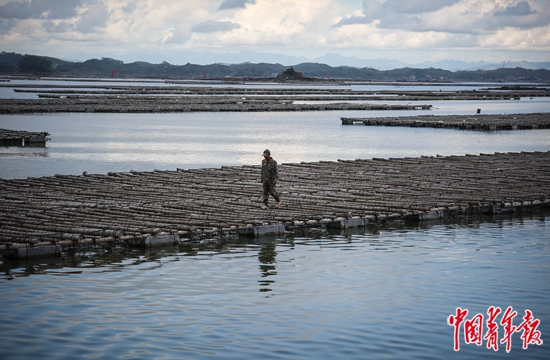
<point x="134" y="98"/>
<point x="156" y="104"/>
<point x="43" y="216"/>
<point x="22" y="138"/>
<point x="465" y="122"/>
<point x="502" y="93"/>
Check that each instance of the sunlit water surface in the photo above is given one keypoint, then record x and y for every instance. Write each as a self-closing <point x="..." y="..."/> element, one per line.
<point x="101" y="143"/>
<point x="356" y="295"/>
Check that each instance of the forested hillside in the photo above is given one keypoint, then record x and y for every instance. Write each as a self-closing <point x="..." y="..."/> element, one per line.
<point x="12" y="63"/>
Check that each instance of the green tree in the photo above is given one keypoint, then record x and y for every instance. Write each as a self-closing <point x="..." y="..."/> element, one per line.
<point x="33" y="63"/>
<point x="290" y="72"/>
<point x="6" y="67"/>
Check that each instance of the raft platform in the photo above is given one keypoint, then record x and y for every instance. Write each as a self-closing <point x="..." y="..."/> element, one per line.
<point x="164" y="104"/>
<point x="47" y="215"/>
<point x="22" y="138"/>
<point x="312" y="91"/>
<point x="132" y="98"/>
<point x="465" y="122"/>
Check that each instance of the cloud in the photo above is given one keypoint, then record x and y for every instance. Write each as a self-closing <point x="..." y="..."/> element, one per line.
<point x="235" y="4"/>
<point x="520" y="16"/>
<point x="130" y="7"/>
<point x="60" y="27"/>
<point x="84" y="16"/>
<point x="95" y="16"/>
<point x="372" y="10"/>
<point x="40" y="9"/>
<point x="309" y="28"/>
<point x="452" y="16"/>
<point x="392" y="12"/>
<point x="416" y="6"/>
<point x="520" y="9"/>
<point x="210" y="26"/>
<point x="6" y="25"/>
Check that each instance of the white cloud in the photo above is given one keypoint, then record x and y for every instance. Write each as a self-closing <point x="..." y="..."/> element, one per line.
<point x="94" y="16"/>
<point x="453" y="16"/>
<point x="521" y="15"/>
<point x="58" y="27"/>
<point x="403" y="29"/>
<point x="283" y="23"/>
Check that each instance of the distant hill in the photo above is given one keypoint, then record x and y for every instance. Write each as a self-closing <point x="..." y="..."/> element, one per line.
<point x="515" y="64"/>
<point x="331" y="59"/>
<point x="105" y="67"/>
<point x="449" y="64"/>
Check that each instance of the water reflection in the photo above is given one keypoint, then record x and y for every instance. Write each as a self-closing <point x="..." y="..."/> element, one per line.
<point x="19" y="144"/>
<point x="16" y="155"/>
<point x="18" y="151"/>
<point x="266" y="258"/>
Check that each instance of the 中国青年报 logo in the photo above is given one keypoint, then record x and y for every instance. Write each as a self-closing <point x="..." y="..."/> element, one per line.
<point x="474" y="334"/>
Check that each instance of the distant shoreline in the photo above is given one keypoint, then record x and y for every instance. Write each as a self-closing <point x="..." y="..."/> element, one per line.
<point x="248" y="80"/>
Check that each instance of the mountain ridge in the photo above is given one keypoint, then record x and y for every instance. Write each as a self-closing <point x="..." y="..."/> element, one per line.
<point x="9" y="63"/>
<point x="332" y="59"/>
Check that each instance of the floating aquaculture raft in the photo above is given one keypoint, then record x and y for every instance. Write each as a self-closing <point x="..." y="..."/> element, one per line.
<point x="144" y="208"/>
<point x="480" y="122"/>
<point x="21" y="138"/>
<point x="180" y="97"/>
<point x="155" y="104"/>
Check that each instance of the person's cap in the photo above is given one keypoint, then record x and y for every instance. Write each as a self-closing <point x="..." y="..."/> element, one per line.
<point x="266" y="152"/>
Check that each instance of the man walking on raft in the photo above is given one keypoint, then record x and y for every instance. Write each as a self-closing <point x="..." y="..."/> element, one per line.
<point x="270" y="175"/>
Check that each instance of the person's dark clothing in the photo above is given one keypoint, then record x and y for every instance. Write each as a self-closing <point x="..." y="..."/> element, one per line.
<point x="270" y="173"/>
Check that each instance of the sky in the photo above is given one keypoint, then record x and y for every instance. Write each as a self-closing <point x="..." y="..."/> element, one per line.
<point x="179" y="30"/>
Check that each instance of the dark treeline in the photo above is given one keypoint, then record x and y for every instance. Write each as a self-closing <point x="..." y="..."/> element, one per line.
<point x="12" y="63"/>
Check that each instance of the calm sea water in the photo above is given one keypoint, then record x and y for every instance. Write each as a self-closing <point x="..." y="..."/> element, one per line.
<point x="100" y="143"/>
<point x="374" y="293"/>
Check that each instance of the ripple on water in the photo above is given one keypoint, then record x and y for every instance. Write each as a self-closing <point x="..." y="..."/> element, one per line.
<point x="349" y="295"/>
